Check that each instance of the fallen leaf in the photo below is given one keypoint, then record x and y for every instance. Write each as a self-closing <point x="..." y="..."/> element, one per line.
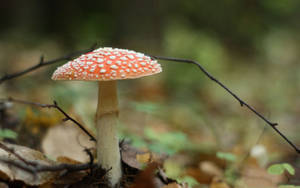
<point x="146" y="178"/>
<point x="259" y="178"/>
<point x="143" y="158"/>
<point x="67" y="140"/>
<point x="172" y="185"/>
<point x="217" y="182"/>
<point x="67" y="160"/>
<point x="13" y="173"/>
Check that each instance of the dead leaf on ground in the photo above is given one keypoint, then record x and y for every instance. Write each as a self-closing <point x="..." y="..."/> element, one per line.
<point x="136" y="158"/>
<point x="259" y="178"/>
<point x="67" y="140"/>
<point x="146" y="178"/>
<point x="217" y="182"/>
<point x="13" y="173"/>
<point x="175" y="185"/>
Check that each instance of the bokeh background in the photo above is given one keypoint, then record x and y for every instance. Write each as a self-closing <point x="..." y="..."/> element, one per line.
<point x="252" y="46"/>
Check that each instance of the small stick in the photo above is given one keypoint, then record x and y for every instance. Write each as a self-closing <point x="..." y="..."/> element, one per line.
<point x="42" y="63"/>
<point x="54" y="105"/>
<point x="36" y="167"/>
<point x="242" y="103"/>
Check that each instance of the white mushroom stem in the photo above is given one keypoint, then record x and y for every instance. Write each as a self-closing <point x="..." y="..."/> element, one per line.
<point x="108" y="152"/>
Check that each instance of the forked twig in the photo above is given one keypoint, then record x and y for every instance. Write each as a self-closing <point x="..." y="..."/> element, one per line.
<point x="55" y="105"/>
<point x="36" y="167"/>
<point x="42" y="63"/>
<point x="242" y="103"/>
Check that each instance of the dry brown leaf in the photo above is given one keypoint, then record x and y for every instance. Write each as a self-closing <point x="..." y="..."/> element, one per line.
<point x="14" y="173"/>
<point x="67" y="140"/>
<point x="129" y="156"/>
<point x="259" y="178"/>
<point x="172" y="185"/>
<point x="136" y="158"/>
<point x="146" y="178"/>
<point x="67" y="160"/>
<point x="218" y="183"/>
<point x="143" y="158"/>
<point x="210" y="168"/>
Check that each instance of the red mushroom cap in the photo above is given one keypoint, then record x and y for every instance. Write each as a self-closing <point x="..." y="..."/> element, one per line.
<point x="105" y="64"/>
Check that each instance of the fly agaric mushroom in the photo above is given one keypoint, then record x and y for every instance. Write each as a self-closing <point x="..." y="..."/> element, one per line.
<point x="107" y="65"/>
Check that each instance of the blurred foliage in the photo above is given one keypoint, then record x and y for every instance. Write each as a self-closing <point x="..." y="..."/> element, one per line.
<point x="278" y="169"/>
<point x="7" y="133"/>
<point x="252" y="46"/>
<point x="226" y="156"/>
<point x="168" y="143"/>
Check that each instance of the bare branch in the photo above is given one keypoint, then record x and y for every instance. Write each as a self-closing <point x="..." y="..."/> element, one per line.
<point x="242" y="103"/>
<point x="54" y="105"/>
<point x="11" y="150"/>
<point x="42" y="63"/>
<point x="36" y="167"/>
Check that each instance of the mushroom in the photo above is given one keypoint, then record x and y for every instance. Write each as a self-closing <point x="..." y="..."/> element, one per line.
<point x="107" y="65"/>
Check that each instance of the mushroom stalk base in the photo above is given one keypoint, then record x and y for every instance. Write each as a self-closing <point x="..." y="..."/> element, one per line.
<point x="108" y="152"/>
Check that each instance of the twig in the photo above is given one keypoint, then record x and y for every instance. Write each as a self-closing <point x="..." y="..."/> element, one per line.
<point x="42" y="63"/>
<point x="242" y="103"/>
<point x="36" y="167"/>
<point x="55" y="105"/>
<point x="10" y="150"/>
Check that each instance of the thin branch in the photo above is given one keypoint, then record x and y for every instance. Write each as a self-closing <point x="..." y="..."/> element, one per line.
<point x="11" y="150"/>
<point x="55" y="105"/>
<point x="242" y="103"/>
<point x="36" y="167"/>
<point x="42" y="63"/>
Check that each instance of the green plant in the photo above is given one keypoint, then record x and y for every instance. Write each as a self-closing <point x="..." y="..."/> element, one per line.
<point x="7" y="133"/>
<point x="278" y="169"/>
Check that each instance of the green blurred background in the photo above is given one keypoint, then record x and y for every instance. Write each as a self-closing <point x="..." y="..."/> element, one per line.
<point x="252" y="46"/>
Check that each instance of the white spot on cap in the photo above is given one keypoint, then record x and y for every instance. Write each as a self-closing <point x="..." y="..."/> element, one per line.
<point x="143" y="63"/>
<point x="102" y="71"/>
<point x="109" y="62"/>
<point x="100" y="65"/>
<point x="114" y="67"/>
<point x="139" y="55"/>
<point x="134" y="70"/>
<point x="100" y="60"/>
<point x="130" y="56"/>
<point x="112" y="57"/>
<point x="123" y="58"/>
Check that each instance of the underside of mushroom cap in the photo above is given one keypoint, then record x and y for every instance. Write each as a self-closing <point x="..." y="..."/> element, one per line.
<point x="105" y="64"/>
